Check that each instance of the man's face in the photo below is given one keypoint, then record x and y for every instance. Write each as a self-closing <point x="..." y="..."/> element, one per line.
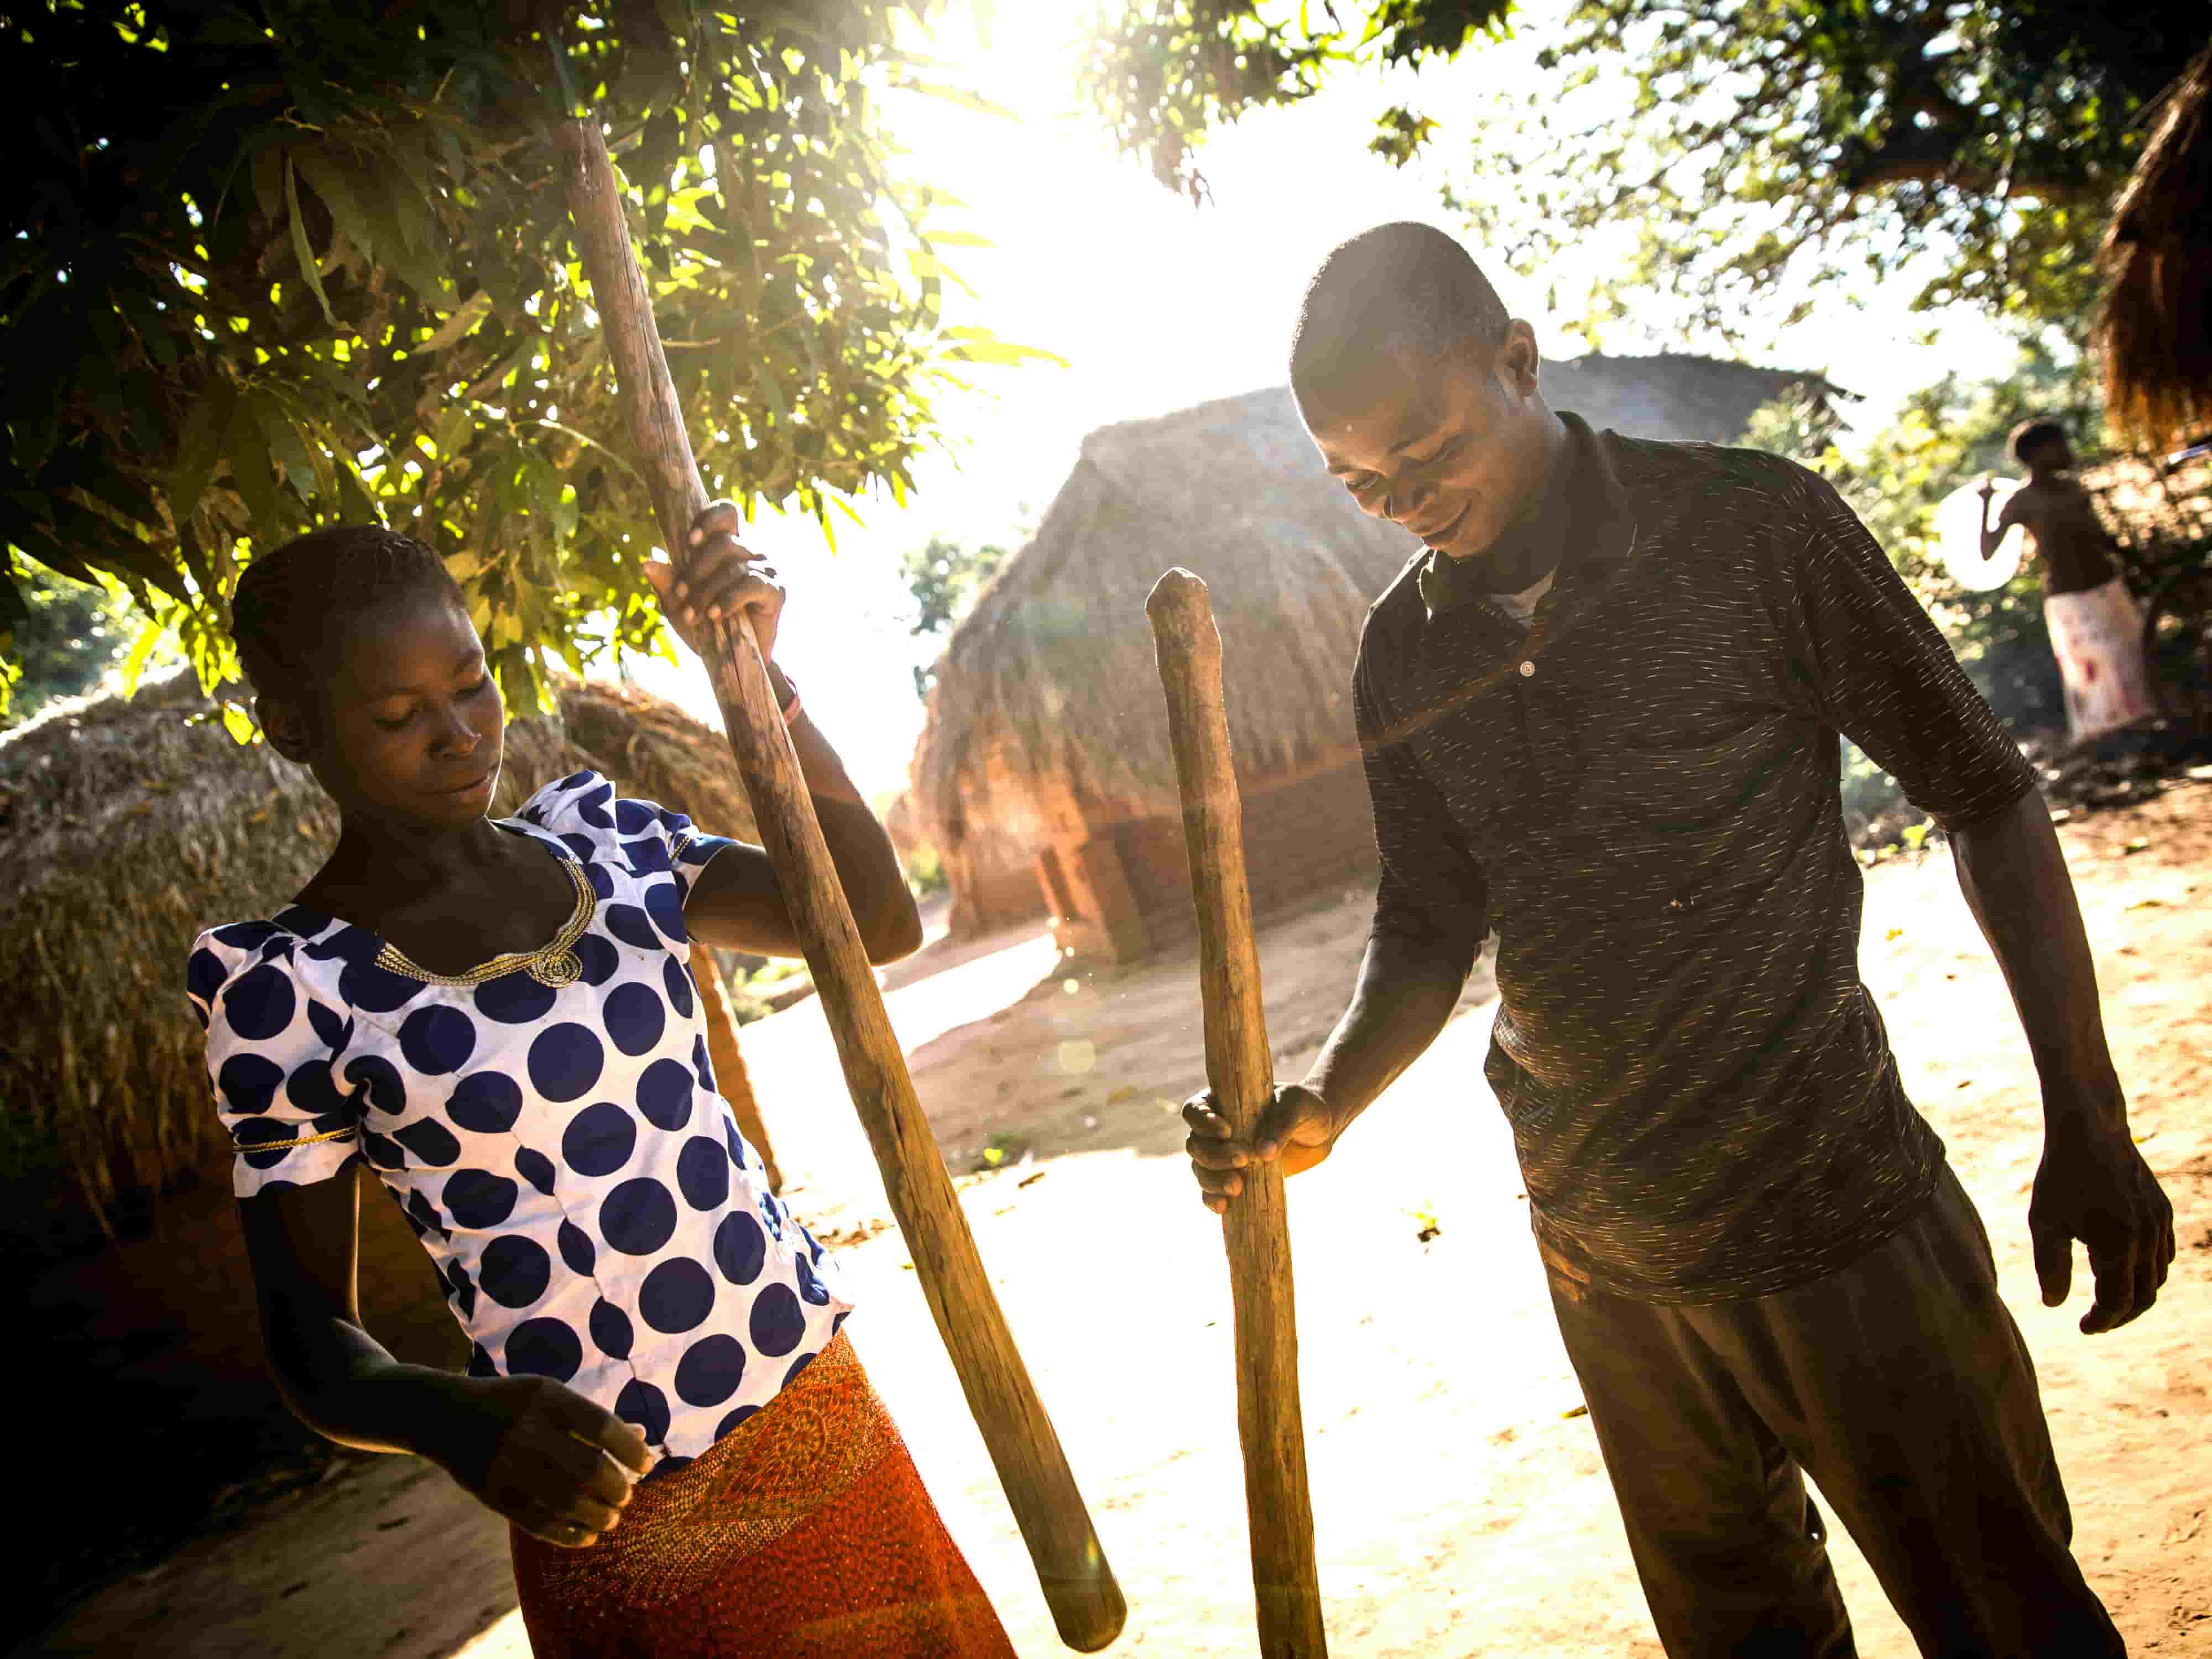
<point x="1452" y="451"/>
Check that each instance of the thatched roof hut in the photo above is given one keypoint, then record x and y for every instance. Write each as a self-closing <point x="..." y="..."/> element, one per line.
<point x="129" y="824"/>
<point x="1043" y="774"/>
<point x="2156" y="331"/>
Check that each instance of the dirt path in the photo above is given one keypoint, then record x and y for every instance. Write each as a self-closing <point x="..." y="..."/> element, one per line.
<point x="1459" y="1510"/>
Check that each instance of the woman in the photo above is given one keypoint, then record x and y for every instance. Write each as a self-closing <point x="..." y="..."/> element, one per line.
<point x="498" y="1018"/>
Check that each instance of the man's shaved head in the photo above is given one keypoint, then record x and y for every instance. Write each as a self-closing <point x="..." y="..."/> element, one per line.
<point x="1403" y="294"/>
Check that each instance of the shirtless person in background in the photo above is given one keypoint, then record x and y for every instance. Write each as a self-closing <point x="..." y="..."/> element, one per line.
<point x="2096" y="632"/>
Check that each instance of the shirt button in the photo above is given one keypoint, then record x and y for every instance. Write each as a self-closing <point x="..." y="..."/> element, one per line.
<point x="1527" y="669"/>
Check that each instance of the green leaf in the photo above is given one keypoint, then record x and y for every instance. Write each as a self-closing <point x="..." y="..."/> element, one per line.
<point x="329" y="183"/>
<point x="455" y="429"/>
<point x="980" y="345"/>
<point x="247" y="448"/>
<point x="301" y="249"/>
<point x="199" y="448"/>
<point x="142" y="648"/>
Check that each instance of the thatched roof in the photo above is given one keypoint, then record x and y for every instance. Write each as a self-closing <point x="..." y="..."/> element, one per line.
<point x="1046" y="691"/>
<point x="2155" y="334"/>
<point x="129" y="824"/>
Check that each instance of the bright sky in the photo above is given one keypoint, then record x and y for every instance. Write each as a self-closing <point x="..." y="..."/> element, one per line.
<point x="1157" y="306"/>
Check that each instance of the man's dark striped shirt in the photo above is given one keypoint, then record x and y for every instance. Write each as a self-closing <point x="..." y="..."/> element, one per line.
<point x="1640" y="793"/>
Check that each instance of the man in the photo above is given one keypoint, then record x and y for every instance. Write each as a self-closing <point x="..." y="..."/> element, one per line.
<point x="2096" y="632"/>
<point x="1600" y="712"/>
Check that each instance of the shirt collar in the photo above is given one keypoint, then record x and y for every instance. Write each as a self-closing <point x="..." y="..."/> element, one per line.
<point x="1600" y="538"/>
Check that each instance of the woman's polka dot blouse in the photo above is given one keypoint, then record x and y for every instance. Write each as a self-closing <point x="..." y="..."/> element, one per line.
<point x="562" y="1152"/>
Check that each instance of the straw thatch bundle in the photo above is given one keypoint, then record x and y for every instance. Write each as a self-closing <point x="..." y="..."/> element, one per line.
<point x="129" y="824"/>
<point x="1047" y="703"/>
<point x="2155" y="333"/>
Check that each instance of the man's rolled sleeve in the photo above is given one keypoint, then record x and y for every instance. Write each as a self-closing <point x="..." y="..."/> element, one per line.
<point x="1881" y="670"/>
<point x="1432" y="891"/>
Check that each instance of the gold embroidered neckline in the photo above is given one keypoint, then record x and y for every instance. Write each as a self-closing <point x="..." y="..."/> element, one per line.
<point x="555" y="964"/>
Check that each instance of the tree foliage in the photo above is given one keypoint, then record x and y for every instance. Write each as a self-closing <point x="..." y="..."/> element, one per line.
<point x="66" y="638"/>
<point x="278" y="265"/>
<point x="1947" y="436"/>
<point x="946" y="577"/>
<point x="1754" y="144"/>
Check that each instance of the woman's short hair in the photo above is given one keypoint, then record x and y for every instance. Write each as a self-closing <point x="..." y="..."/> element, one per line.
<point x="290" y="603"/>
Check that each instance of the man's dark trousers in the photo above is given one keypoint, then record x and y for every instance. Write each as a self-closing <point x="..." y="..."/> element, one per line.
<point x="1901" y="1385"/>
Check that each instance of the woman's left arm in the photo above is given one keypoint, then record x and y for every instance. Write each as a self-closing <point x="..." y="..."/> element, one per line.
<point x="736" y="902"/>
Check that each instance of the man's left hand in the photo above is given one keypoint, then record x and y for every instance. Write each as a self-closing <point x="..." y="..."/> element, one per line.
<point x="2093" y="1185"/>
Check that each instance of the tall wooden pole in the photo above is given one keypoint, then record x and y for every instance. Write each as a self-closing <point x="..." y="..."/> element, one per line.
<point x="1285" y="1582"/>
<point x="1078" y="1586"/>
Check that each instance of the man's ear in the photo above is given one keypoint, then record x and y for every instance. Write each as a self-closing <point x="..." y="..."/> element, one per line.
<point x="285" y="726"/>
<point x="1519" y="359"/>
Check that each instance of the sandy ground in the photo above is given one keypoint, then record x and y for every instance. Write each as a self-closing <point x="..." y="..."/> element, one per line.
<point x="1459" y="1507"/>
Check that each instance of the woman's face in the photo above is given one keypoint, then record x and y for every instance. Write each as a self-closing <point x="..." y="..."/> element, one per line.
<point x="410" y="725"/>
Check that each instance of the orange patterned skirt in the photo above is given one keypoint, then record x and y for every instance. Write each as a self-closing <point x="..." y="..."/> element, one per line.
<point x="804" y="1533"/>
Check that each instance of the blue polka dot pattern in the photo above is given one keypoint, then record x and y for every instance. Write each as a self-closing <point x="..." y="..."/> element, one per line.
<point x="544" y="1347"/>
<point x="599" y="1140"/>
<point x="204" y="975"/>
<point x="331" y="1028"/>
<point x="485" y="1103"/>
<point x="590" y="1217"/>
<point x="740" y="1248"/>
<point x="516" y="1270"/>
<point x="534" y="1167"/>
<point x="630" y="924"/>
<point x="566" y="1061"/>
<point x="675" y="974"/>
<point x="778" y="1322"/>
<point x="612" y="1329"/>
<point x="677" y="1295"/>
<point x="710" y="1370"/>
<point x="599" y="958"/>
<point x="638" y="1217"/>
<point x="576" y="1249"/>
<point x="515" y="998"/>
<point x="379" y="1081"/>
<point x="664" y="1095"/>
<point x="703" y="1173"/>
<point x="374" y="990"/>
<point x="429" y="1140"/>
<point x="310" y="1089"/>
<point x="642" y="1404"/>
<point x="811" y="1287"/>
<point x="260" y="1002"/>
<point x="478" y="1200"/>
<point x="797" y="1366"/>
<point x="666" y="906"/>
<point x="635" y="1017"/>
<point x="248" y="1083"/>
<point x="590" y="804"/>
<point x="646" y="858"/>
<point x="436" y="1041"/>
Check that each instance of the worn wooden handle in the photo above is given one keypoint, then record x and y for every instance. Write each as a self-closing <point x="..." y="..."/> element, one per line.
<point x="1285" y="1582"/>
<point x="1079" y="1585"/>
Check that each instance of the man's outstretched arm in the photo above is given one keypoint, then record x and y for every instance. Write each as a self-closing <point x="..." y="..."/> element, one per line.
<point x="2092" y="1184"/>
<point x="1405" y="996"/>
